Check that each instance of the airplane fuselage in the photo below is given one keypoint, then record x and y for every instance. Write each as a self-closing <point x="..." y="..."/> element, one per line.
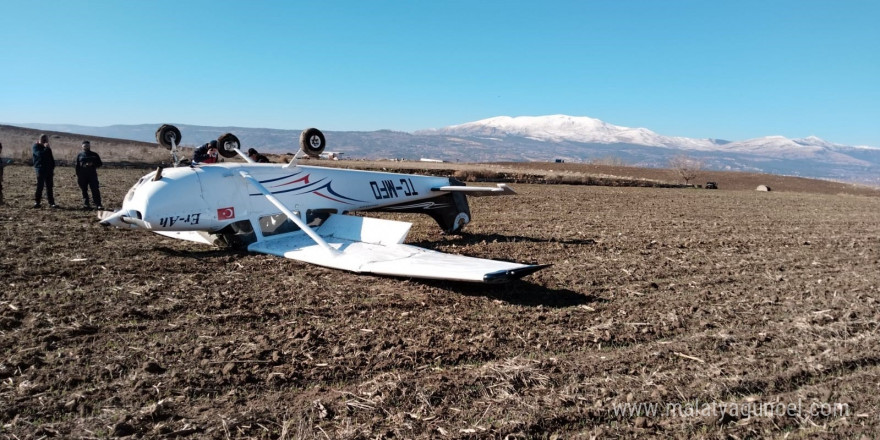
<point x="210" y="197"/>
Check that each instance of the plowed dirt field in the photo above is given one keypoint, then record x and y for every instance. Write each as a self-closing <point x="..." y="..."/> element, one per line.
<point x="667" y="312"/>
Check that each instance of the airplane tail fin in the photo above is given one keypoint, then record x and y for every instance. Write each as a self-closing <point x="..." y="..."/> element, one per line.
<point x="450" y="210"/>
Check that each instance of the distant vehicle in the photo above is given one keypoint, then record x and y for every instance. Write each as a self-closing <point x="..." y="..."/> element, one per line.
<point x="330" y="155"/>
<point x="711" y="185"/>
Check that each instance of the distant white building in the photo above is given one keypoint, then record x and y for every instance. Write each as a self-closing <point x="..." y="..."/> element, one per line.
<point x="331" y="155"/>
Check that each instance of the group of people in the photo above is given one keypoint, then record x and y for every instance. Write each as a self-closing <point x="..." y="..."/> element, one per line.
<point x="2" y="164"/>
<point x="207" y="153"/>
<point x="86" y="166"/>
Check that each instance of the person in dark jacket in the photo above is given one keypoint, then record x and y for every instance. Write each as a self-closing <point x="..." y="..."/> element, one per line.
<point x="207" y="153"/>
<point x="2" y="164"/>
<point x="257" y="157"/>
<point x="44" y="165"/>
<point x="87" y="164"/>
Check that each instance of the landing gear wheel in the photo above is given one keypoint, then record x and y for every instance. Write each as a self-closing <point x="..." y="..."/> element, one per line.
<point x="227" y="144"/>
<point x="460" y="221"/>
<point x="312" y="142"/>
<point x="168" y="134"/>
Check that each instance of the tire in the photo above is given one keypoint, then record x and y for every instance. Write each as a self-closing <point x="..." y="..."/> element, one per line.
<point x="312" y="142"/>
<point x="226" y="145"/>
<point x="166" y="134"/>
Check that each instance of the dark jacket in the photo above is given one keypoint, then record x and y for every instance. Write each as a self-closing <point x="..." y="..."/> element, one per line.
<point x="200" y="155"/>
<point x="260" y="158"/>
<point x="44" y="161"/>
<point x="87" y="164"/>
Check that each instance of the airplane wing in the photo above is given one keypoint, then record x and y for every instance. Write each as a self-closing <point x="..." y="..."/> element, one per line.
<point x="196" y="236"/>
<point x="370" y="245"/>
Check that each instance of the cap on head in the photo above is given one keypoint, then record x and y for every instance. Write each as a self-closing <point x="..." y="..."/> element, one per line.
<point x="251" y="151"/>
<point x="44" y="138"/>
<point x="212" y="144"/>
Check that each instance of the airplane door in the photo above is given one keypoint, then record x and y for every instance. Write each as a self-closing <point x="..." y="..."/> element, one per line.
<point x="225" y="193"/>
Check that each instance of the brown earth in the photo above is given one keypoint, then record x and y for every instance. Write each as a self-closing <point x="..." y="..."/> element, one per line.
<point x="656" y="296"/>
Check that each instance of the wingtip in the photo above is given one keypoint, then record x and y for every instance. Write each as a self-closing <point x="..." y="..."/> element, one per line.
<point x="504" y="276"/>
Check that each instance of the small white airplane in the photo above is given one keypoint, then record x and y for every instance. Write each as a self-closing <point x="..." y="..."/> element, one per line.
<point x="300" y="212"/>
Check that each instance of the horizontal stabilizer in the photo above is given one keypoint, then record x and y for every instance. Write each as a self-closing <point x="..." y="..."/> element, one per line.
<point x="477" y="191"/>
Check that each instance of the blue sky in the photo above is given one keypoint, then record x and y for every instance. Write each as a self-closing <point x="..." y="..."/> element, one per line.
<point x="725" y="69"/>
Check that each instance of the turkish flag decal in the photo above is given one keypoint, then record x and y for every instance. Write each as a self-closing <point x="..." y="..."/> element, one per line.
<point x="226" y="213"/>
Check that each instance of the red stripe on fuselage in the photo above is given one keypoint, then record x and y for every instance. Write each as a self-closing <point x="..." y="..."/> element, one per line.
<point x="304" y="179"/>
<point x="329" y="198"/>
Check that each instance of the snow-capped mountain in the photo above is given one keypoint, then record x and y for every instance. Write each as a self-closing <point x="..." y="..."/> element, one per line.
<point x="583" y="138"/>
<point x="817" y="141"/>
<point x="781" y="147"/>
<point x="582" y="129"/>
<point x="777" y="145"/>
<point x="561" y="128"/>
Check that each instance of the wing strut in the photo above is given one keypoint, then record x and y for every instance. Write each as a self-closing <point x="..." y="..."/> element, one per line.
<point x="293" y="217"/>
<point x="245" y="156"/>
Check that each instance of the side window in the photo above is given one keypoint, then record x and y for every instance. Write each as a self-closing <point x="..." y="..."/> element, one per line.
<point x="277" y="224"/>
<point x="316" y="217"/>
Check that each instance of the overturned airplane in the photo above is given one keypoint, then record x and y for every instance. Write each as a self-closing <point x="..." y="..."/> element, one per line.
<point x="300" y="212"/>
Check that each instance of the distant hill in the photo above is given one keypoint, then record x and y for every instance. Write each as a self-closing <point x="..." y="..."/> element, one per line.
<point x="125" y="152"/>
<point x="17" y="142"/>
<point x="547" y="139"/>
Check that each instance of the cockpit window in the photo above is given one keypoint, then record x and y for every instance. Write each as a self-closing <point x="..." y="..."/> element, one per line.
<point x="277" y="224"/>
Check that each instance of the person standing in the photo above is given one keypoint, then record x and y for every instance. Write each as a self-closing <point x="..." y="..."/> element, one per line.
<point x="2" y="164"/>
<point x="205" y="154"/>
<point x="44" y="165"/>
<point x="87" y="164"/>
